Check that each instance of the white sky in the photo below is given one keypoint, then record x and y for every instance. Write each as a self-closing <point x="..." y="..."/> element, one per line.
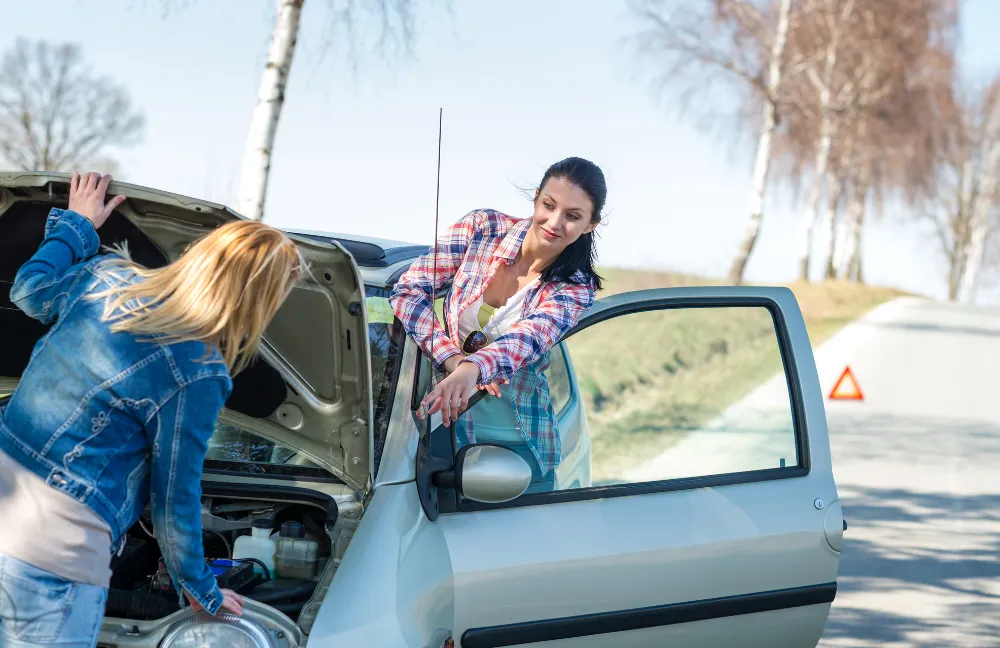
<point x="522" y="84"/>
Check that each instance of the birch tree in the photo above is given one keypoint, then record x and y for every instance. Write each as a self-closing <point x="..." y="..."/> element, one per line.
<point x="964" y="202"/>
<point x="350" y="23"/>
<point x="56" y="114"/>
<point x="743" y="44"/>
<point x="256" y="167"/>
<point x="862" y="63"/>
<point x="862" y="111"/>
<point x="983" y="210"/>
<point x="832" y="220"/>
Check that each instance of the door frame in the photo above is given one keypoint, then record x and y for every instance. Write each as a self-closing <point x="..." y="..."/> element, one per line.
<point x="800" y="377"/>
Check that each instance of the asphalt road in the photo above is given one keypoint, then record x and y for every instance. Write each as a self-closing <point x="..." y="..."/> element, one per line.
<point x="917" y="465"/>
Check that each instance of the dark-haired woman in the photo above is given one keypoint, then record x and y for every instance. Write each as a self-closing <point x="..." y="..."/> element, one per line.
<point x="517" y="285"/>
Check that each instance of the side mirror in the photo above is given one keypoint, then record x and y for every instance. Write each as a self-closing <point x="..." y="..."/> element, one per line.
<point x="487" y="473"/>
<point x="491" y="474"/>
<point x="482" y="472"/>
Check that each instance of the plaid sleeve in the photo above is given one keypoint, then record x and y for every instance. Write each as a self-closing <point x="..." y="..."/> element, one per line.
<point x="411" y="296"/>
<point x="532" y="336"/>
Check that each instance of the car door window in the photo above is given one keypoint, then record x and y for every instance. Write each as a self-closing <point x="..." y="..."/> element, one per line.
<point x="664" y="395"/>
<point x="559" y="380"/>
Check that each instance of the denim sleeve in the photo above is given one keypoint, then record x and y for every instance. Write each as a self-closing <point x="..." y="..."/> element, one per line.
<point x="43" y="282"/>
<point x="180" y="441"/>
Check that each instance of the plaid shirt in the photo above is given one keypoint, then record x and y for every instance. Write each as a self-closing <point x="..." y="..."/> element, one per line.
<point x="467" y="257"/>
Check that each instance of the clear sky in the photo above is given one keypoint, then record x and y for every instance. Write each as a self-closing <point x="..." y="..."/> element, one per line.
<point x="522" y="83"/>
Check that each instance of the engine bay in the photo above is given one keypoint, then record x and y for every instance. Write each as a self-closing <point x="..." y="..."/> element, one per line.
<point x="237" y="537"/>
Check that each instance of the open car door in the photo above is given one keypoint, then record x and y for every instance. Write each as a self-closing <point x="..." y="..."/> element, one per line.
<point x="711" y="517"/>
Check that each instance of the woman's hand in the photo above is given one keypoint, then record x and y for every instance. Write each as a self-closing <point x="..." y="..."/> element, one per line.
<point x="451" y="364"/>
<point x="494" y="387"/>
<point x="230" y="601"/>
<point x="451" y="396"/>
<point x="86" y="197"/>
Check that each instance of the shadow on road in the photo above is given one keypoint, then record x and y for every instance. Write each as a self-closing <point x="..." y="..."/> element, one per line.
<point x="921" y="559"/>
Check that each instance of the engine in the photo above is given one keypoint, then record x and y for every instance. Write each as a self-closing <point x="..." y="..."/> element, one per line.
<point x="238" y="538"/>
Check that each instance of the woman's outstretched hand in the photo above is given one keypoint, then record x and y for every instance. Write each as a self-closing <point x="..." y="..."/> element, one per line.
<point x="230" y="601"/>
<point x="451" y="396"/>
<point x="86" y="197"/>
<point x="493" y="389"/>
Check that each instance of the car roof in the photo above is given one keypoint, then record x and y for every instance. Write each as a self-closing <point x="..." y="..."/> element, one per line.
<point x="380" y="260"/>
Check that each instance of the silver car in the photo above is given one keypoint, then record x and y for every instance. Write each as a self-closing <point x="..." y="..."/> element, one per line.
<point x="693" y="502"/>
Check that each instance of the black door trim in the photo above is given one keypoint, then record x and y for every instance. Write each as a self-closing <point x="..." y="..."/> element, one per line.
<point x="649" y="617"/>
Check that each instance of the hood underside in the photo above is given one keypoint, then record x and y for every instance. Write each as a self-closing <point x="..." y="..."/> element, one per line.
<point x="310" y="390"/>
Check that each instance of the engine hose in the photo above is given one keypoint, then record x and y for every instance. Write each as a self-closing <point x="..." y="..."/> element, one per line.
<point x="276" y="594"/>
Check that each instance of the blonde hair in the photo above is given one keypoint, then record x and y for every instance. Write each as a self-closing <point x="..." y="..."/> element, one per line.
<point x="223" y="291"/>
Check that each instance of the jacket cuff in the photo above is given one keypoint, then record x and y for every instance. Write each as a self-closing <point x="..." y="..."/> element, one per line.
<point x="211" y="600"/>
<point x="487" y="368"/>
<point x="84" y="240"/>
<point x="444" y="348"/>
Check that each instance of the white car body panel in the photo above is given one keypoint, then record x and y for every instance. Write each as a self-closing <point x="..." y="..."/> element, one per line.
<point x="406" y="580"/>
<point x="394" y="586"/>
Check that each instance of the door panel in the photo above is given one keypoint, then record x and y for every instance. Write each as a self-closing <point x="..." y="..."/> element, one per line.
<point x="709" y="450"/>
<point x="628" y="553"/>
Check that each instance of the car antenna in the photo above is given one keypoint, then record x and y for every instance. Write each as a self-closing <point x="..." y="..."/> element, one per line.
<point x="437" y="204"/>
<point x="427" y="465"/>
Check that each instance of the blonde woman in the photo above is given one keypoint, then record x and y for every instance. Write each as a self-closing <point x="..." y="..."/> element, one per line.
<point x="116" y="407"/>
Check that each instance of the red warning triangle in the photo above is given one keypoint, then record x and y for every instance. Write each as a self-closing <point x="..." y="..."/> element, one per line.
<point x="847" y="387"/>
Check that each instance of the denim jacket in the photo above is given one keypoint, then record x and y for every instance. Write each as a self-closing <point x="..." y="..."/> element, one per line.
<point x="116" y="421"/>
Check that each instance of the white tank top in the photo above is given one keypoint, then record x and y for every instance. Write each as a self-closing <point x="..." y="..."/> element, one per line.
<point x="494" y="420"/>
<point x="502" y="319"/>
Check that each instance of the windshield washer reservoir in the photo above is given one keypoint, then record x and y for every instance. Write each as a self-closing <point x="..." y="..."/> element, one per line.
<point x="296" y="556"/>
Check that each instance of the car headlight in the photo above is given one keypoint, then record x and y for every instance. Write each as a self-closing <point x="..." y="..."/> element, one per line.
<point x="205" y="631"/>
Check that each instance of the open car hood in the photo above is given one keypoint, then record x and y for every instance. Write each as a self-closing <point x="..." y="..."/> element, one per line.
<point x="311" y="393"/>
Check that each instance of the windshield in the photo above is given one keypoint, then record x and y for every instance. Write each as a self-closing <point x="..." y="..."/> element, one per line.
<point x="235" y="448"/>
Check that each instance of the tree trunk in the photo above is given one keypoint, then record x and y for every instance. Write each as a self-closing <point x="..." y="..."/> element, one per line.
<point x="826" y="132"/>
<point x="762" y="163"/>
<point x="833" y="187"/>
<point x="852" y="249"/>
<point x="980" y="224"/>
<point x="956" y="265"/>
<point x="809" y="220"/>
<point x="854" y="260"/>
<point x="270" y="98"/>
<point x="840" y="251"/>
<point x="957" y="247"/>
<point x="974" y="257"/>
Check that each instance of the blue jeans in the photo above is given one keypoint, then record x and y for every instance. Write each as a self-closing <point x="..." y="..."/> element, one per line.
<point x="38" y="608"/>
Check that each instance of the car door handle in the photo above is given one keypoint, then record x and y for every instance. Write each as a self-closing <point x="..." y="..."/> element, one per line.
<point x="845" y="525"/>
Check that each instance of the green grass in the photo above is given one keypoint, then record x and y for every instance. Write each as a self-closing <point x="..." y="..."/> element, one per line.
<point x="648" y="378"/>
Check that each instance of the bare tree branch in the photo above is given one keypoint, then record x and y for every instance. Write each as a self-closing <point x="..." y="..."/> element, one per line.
<point x="743" y="44"/>
<point x="56" y="115"/>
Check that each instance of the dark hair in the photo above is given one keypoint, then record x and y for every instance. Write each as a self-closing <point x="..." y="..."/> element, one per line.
<point x="580" y="255"/>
